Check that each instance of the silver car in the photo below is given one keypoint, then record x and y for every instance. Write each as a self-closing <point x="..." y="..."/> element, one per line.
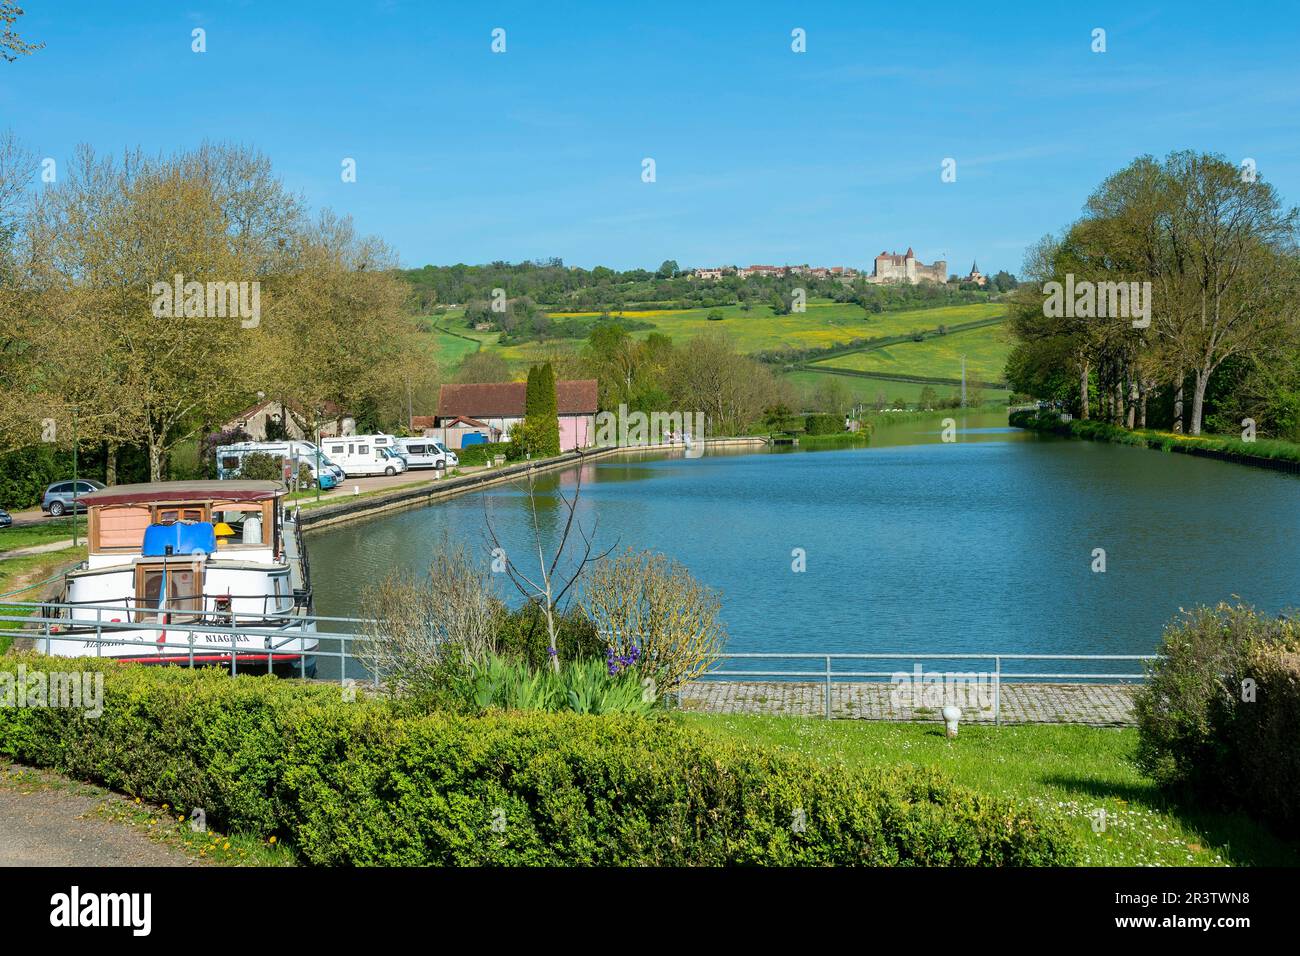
<point x="58" y="497"/>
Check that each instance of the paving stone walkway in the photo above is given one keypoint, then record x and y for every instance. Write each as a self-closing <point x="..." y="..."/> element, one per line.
<point x="1096" y="704"/>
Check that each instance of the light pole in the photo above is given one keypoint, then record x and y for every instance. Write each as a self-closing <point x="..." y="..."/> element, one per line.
<point x="74" y="476"/>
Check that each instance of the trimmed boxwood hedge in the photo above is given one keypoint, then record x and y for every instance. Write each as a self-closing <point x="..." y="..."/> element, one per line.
<point x="362" y="782"/>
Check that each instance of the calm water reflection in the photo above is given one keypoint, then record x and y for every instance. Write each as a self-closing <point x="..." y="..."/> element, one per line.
<point x="913" y="545"/>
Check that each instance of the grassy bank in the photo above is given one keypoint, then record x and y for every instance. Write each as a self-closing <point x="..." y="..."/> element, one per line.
<point x="52" y="529"/>
<point x="1075" y="771"/>
<point x="1264" y="449"/>
<point x="24" y="573"/>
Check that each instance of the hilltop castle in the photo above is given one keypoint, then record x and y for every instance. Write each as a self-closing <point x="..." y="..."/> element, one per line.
<point x="891" y="267"/>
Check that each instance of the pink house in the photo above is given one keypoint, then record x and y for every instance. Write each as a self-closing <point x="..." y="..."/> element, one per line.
<point x="499" y="405"/>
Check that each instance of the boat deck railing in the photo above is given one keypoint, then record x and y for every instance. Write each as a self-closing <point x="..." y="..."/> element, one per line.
<point x="181" y="638"/>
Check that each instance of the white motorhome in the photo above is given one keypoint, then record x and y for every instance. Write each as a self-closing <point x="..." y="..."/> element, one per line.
<point x="426" y="453"/>
<point x="361" y="455"/>
<point x="230" y="459"/>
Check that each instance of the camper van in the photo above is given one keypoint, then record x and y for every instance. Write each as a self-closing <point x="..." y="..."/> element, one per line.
<point x="230" y="459"/>
<point x="361" y="455"/>
<point x="426" y="453"/>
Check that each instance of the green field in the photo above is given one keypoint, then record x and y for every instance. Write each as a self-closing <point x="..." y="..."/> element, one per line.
<point x="868" y="390"/>
<point x="986" y="350"/>
<point x="823" y="324"/>
<point x="1070" y="771"/>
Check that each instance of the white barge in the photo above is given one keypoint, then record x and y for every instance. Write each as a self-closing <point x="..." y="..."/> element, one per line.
<point x="191" y="564"/>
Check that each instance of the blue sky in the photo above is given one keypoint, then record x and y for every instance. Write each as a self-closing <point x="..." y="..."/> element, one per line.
<point x="762" y="155"/>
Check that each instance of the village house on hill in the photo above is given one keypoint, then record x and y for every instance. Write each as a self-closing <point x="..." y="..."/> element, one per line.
<point x="491" y="409"/>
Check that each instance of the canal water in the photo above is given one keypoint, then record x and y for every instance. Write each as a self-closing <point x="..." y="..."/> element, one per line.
<point x="912" y="545"/>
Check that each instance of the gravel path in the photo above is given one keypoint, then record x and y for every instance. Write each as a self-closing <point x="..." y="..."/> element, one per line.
<point x="46" y="820"/>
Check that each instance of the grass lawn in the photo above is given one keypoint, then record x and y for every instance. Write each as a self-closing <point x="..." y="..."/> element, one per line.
<point x="53" y="529"/>
<point x="986" y="352"/>
<point x="1074" y="771"/>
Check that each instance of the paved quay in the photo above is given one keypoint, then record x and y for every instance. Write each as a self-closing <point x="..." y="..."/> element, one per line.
<point x="1093" y="704"/>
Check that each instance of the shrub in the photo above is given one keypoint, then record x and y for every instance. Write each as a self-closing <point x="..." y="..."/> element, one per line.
<point x="481" y="454"/>
<point x="522" y="636"/>
<point x="426" y="630"/>
<point x="649" y="606"/>
<point x="823" y="424"/>
<point x="1216" y="720"/>
<point x="361" y="784"/>
<point x="260" y="466"/>
<point x="24" y="474"/>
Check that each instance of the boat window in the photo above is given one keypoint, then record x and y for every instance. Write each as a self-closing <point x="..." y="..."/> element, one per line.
<point x="183" y="597"/>
<point x="244" y="520"/>
<point x="170" y="515"/>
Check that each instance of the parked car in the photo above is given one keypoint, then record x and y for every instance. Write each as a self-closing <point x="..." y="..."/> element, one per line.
<point x="5" y="519"/>
<point x="57" y="500"/>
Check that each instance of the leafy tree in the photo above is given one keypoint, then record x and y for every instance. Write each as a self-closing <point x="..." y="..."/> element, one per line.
<point x="483" y="366"/>
<point x="12" y="46"/>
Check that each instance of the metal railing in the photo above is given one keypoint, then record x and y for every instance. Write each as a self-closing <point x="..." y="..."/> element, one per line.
<point x="827" y="675"/>
<point x="189" y="641"/>
<point x="34" y="621"/>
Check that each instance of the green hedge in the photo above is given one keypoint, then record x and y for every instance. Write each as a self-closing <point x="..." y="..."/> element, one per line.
<point x="479" y="454"/>
<point x="363" y="783"/>
<point x="1218" y="719"/>
<point x="821" y="424"/>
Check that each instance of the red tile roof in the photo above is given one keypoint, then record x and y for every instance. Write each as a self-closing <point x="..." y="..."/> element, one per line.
<point x="506" y="399"/>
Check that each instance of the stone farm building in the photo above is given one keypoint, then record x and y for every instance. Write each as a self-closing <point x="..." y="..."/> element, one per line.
<point x="295" y="422"/>
<point x="493" y="408"/>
